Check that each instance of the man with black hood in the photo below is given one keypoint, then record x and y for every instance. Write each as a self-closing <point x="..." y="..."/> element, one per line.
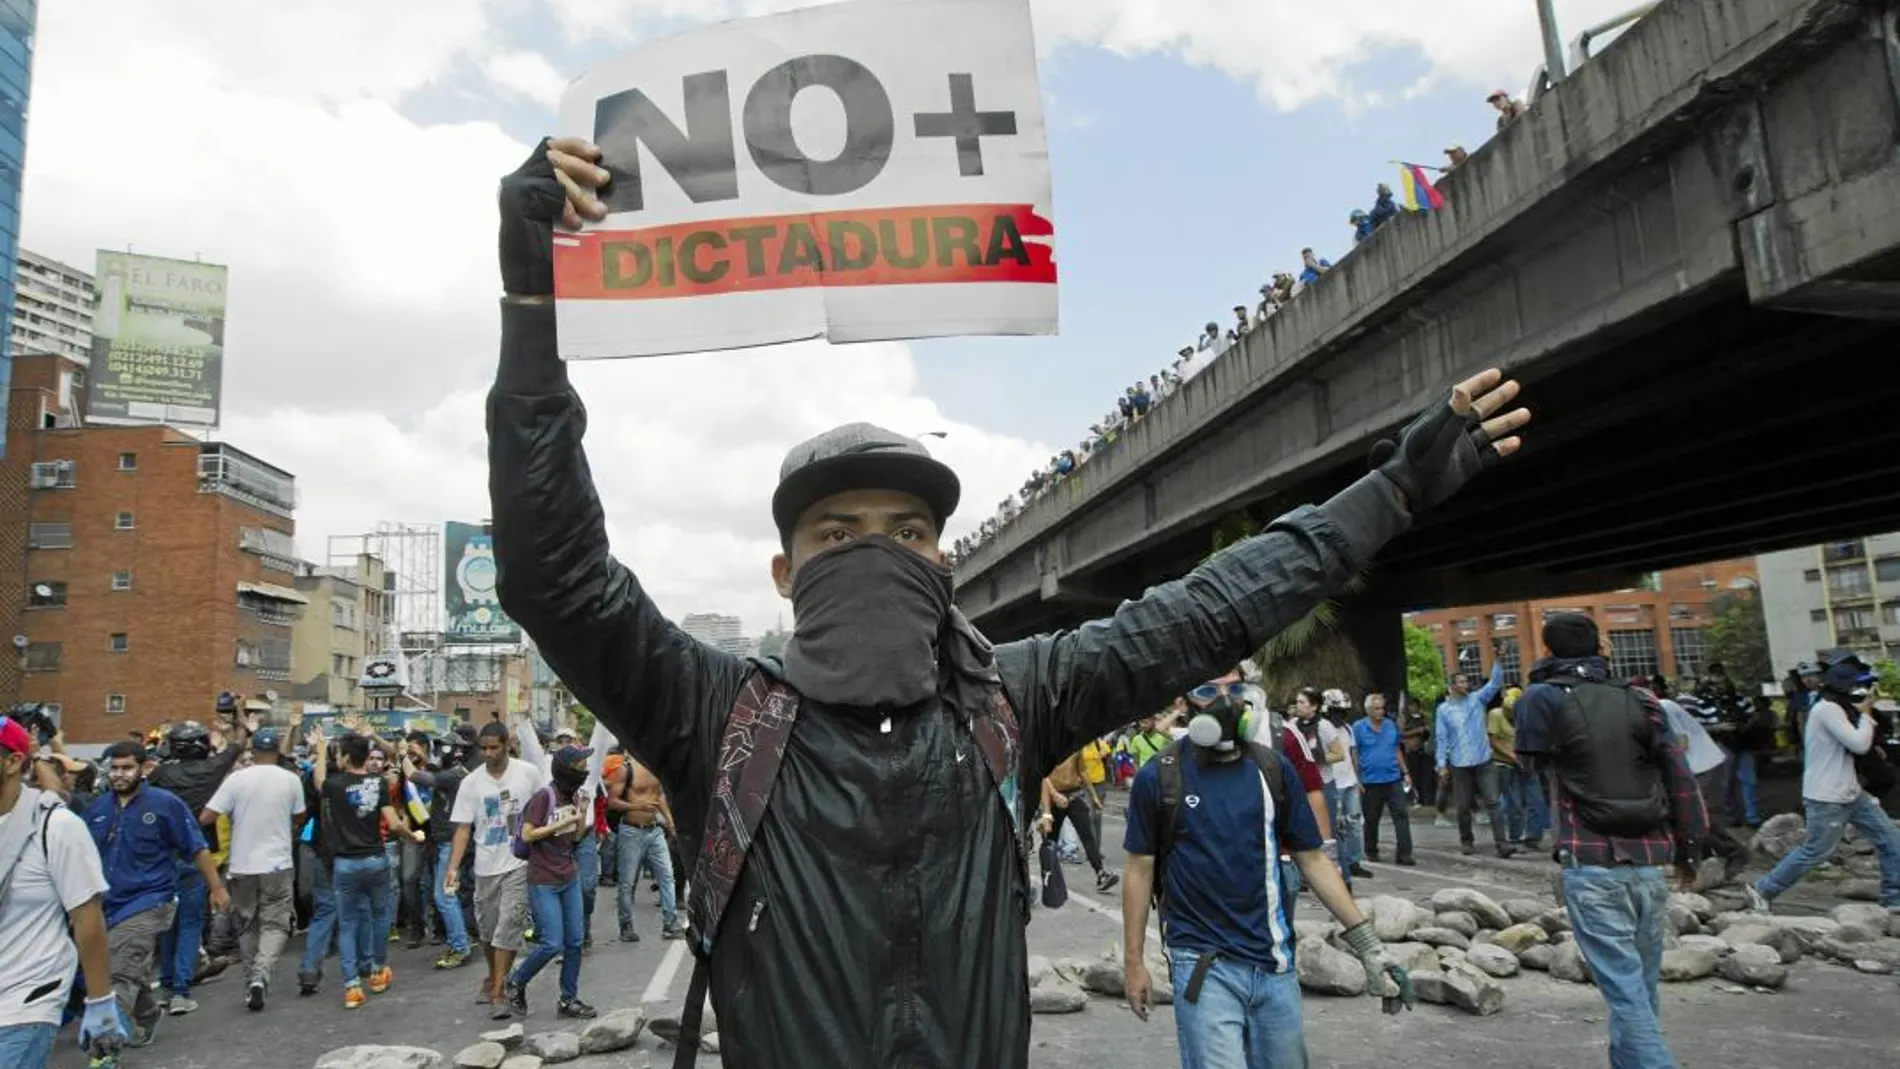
<point x="878" y="901"/>
<point x="193" y="769"/>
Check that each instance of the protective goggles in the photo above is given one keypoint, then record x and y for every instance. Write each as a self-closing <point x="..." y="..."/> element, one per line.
<point x="1207" y="692"/>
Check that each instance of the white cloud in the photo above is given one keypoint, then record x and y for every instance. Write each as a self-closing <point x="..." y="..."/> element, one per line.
<point x="362" y="324"/>
<point x="527" y="73"/>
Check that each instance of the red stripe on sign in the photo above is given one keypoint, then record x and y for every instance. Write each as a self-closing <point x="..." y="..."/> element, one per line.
<point x="871" y="247"/>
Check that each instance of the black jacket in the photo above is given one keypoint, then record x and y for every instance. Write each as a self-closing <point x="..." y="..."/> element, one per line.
<point x="878" y="921"/>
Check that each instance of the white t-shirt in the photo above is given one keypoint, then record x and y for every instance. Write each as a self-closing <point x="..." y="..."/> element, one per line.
<point x="1827" y="774"/>
<point x="35" y="950"/>
<point x="262" y="801"/>
<point x="493" y="809"/>
<point x="1702" y="752"/>
<point x="1338" y="773"/>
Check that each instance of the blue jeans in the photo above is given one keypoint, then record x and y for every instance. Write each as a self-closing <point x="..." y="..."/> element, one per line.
<point x="1343" y="805"/>
<point x="1245" y="1018"/>
<point x="362" y="910"/>
<point x="1536" y="809"/>
<point x="1827" y="822"/>
<point x="648" y="845"/>
<point x="178" y="950"/>
<point x="446" y="905"/>
<point x="587" y="859"/>
<point x="28" y="1046"/>
<point x="316" y="941"/>
<point x="1742" y="807"/>
<point x="558" y="930"/>
<point x="1511" y="801"/>
<point x="1618" y="916"/>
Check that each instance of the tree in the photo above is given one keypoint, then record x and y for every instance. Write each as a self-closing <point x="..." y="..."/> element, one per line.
<point x="772" y="643"/>
<point x="583" y="720"/>
<point x="1312" y="651"/>
<point x="1424" y="664"/>
<point x="1887" y="678"/>
<point x="1738" y="637"/>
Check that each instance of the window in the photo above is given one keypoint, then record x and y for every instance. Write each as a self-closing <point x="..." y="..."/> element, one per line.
<point x="342" y="666"/>
<point x="1504" y="621"/>
<point x="343" y="614"/>
<point x="1633" y="653"/>
<point x="1510" y="659"/>
<point x="43" y="656"/>
<point x="1849" y="582"/>
<point x="1812" y="575"/>
<point x="124" y="522"/>
<point x="1469" y="660"/>
<point x="1819" y="616"/>
<point x="46" y="596"/>
<point x="128" y="462"/>
<point x="1887" y="569"/>
<point x="1890" y="614"/>
<point x="1853" y="619"/>
<point x="115" y="703"/>
<point x="49" y="535"/>
<point x="1692" y="651"/>
<point x="121" y="580"/>
<point x="54" y="475"/>
<point x="118" y="642"/>
<point x="1467" y="626"/>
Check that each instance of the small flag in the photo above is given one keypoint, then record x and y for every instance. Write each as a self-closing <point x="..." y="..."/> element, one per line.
<point x="1418" y="193"/>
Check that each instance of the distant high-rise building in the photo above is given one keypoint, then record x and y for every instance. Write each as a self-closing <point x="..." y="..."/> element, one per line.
<point x="53" y="305"/>
<point x="719" y="632"/>
<point x="1841" y="594"/>
<point x="17" y="18"/>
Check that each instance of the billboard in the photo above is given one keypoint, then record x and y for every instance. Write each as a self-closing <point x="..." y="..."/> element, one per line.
<point x="857" y="172"/>
<point x="468" y="590"/>
<point x="157" y="341"/>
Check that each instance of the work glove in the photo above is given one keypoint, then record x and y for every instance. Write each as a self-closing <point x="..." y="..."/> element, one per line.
<point x="102" y="1029"/>
<point x="1390" y="983"/>
<point x="531" y="200"/>
<point x="1434" y="456"/>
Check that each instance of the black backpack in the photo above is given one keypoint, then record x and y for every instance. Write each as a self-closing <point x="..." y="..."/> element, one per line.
<point x="1608" y="757"/>
<point x="1168" y="809"/>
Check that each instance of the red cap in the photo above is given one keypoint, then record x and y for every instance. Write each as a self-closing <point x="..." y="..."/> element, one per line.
<point x="14" y="737"/>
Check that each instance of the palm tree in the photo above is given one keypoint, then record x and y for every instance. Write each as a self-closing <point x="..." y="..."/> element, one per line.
<point x="1312" y="651"/>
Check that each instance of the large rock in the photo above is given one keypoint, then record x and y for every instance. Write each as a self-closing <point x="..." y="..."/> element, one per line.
<point x="483" y="1055"/>
<point x="1305" y="928"/>
<point x="1783" y="941"/>
<point x="1412" y="956"/>
<point x="521" y="1061"/>
<point x="1520" y="937"/>
<point x="1458" y="921"/>
<point x="1860" y="922"/>
<point x="375" y="1056"/>
<point x="1492" y="959"/>
<point x="1440" y="937"/>
<point x="1537" y="957"/>
<point x="1778" y="836"/>
<point x="1392" y="917"/>
<point x="1057" y="996"/>
<point x="1684" y="963"/>
<point x="1682" y="919"/>
<point x="1105" y="978"/>
<point x="1714" y="944"/>
<point x="1523" y="910"/>
<point x="1327" y="970"/>
<point x="1861" y="889"/>
<point x="1809" y="931"/>
<point x="1755" y="965"/>
<point x="612" y="1031"/>
<point x="1039" y="969"/>
<point x="1567" y="964"/>
<point x="1703" y="909"/>
<point x="553" y="1047"/>
<point x="1554" y="921"/>
<point x="1893" y="923"/>
<point x="1465" y="900"/>
<point x="1885" y="951"/>
<point x="510" y="1037"/>
<point x="1461" y="986"/>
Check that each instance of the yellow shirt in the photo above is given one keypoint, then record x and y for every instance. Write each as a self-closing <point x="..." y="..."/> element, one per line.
<point x="1093" y="757"/>
<point x="1503" y="733"/>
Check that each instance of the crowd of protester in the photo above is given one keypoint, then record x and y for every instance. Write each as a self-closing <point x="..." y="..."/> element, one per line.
<point x="1208" y="346"/>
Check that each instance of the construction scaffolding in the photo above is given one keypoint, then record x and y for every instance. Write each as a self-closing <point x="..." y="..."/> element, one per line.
<point x="412" y="560"/>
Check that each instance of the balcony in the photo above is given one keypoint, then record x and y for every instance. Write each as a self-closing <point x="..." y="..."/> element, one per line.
<point x="225" y="470"/>
<point x="271" y="604"/>
<point x="1842" y="552"/>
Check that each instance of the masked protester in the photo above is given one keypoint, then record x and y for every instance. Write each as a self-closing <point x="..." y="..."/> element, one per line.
<point x="1207" y="821"/>
<point x="825" y="956"/>
<point x="551" y="825"/>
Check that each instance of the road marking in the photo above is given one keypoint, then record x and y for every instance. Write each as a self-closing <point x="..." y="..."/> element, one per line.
<point x="1115" y="915"/>
<point x="660" y="988"/>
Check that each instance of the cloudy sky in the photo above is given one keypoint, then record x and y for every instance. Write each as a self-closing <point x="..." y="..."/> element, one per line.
<point x="341" y="157"/>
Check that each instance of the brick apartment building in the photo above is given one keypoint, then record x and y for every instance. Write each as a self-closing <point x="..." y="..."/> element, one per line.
<point x="1651" y="629"/>
<point x="141" y="570"/>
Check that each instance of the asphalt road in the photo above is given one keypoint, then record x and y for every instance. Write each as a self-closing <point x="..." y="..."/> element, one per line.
<point x="1826" y="1016"/>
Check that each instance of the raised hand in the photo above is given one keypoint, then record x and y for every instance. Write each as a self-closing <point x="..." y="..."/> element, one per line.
<point x="1446" y="447"/>
<point x="559" y="182"/>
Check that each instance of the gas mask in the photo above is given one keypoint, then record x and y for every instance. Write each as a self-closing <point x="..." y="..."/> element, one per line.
<point x="1220" y="725"/>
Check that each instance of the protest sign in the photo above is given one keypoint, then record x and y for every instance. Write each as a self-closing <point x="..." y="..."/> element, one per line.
<point x="858" y="172"/>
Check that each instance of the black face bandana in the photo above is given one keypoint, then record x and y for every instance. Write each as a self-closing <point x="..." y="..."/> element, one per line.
<point x="867" y="620"/>
<point x="569" y="780"/>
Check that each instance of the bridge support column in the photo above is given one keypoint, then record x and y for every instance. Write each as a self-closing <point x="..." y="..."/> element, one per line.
<point x="1378" y="634"/>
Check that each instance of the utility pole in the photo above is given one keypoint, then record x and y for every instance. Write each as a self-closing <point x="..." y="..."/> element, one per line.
<point x="1553" y="41"/>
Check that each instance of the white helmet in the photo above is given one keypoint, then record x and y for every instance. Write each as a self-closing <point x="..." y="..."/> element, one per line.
<point x="1335" y="700"/>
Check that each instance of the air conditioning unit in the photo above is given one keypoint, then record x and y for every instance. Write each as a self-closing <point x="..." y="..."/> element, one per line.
<point x="45" y="477"/>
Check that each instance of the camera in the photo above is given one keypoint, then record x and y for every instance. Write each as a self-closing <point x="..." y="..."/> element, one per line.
<point x="35" y="718"/>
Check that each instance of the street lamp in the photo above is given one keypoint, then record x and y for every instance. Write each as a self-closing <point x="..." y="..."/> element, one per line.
<point x="932" y="434"/>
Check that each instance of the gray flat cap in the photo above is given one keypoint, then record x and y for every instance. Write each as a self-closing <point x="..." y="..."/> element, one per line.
<point x="859" y="456"/>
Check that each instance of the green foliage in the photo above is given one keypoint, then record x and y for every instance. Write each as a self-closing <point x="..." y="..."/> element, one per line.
<point x="1424" y="664"/>
<point x="1888" y="675"/>
<point x="583" y="721"/>
<point x="1311" y="651"/>
<point x="1738" y="637"/>
<point x="772" y="643"/>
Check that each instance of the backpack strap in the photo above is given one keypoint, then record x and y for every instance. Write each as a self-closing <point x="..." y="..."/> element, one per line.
<point x="32" y="811"/>
<point x="750" y="754"/>
<point x="1168" y="807"/>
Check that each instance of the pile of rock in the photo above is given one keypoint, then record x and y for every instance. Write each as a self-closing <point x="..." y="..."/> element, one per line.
<point x="1853" y="870"/>
<point x="513" y="1048"/>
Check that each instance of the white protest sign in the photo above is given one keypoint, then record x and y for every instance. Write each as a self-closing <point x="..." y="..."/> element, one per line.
<point x="858" y="172"/>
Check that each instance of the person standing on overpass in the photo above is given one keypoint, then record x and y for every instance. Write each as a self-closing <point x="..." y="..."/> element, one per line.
<point x="878" y="908"/>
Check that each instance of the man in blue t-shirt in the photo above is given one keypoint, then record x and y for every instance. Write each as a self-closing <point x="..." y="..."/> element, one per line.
<point x="1226" y="911"/>
<point x="1388" y="783"/>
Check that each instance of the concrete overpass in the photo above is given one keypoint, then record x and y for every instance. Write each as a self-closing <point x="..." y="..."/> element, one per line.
<point x="1689" y="251"/>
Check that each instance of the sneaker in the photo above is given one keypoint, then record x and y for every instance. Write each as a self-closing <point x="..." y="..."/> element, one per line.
<point x="1757" y="902"/>
<point x="143" y="1032"/>
<point x="1468" y="849"/>
<point x="1361" y="871"/>
<point x="587" y="945"/>
<point x="676" y="930"/>
<point x="1533" y="845"/>
<point x="628" y="935"/>
<point x="452" y="959"/>
<point x="1507" y="851"/>
<point x="413" y="941"/>
<point x="573" y="1007"/>
<point x="1105" y="880"/>
<point x="307" y="982"/>
<point x="180" y="1005"/>
<point x="1409" y="862"/>
<point x="380" y="979"/>
<point x="353" y="997"/>
<point x="1373" y="856"/>
<point x="516" y="996"/>
<point x="254" y="996"/>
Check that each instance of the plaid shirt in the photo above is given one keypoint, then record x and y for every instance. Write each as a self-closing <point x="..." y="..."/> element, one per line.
<point x="1688" y="822"/>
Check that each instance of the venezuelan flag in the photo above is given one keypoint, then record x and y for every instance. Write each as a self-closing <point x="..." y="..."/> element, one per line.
<point x="1417" y="189"/>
